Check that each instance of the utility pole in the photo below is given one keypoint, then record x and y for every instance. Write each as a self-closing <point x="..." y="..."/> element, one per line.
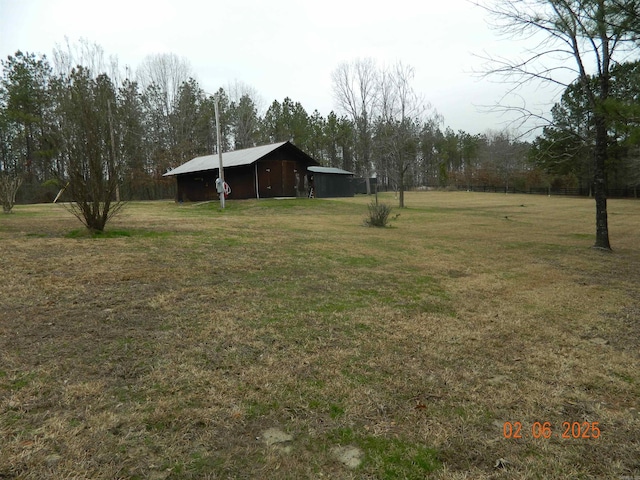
<point x="220" y="166"/>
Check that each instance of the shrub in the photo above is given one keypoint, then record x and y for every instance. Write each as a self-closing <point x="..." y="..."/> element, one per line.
<point x="9" y="185"/>
<point x="378" y="215"/>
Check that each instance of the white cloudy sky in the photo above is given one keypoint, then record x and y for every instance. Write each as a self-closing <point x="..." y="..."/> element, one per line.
<point x="287" y="47"/>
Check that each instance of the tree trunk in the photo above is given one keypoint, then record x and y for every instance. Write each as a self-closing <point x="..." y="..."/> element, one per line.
<point x="600" y="184"/>
<point x="9" y="186"/>
<point x="602" y="229"/>
<point x="602" y="135"/>
<point x="401" y="172"/>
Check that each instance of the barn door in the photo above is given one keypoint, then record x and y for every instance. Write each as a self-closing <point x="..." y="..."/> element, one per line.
<point x="288" y="178"/>
<point x="270" y="178"/>
<point x="277" y="178"/>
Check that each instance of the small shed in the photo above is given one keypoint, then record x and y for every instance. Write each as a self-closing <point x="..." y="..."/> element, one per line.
<point x="331" y="182"/>
<point x="275" y="170"/>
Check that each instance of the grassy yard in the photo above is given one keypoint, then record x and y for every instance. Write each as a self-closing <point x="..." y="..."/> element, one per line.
<point x="172" y="346"/>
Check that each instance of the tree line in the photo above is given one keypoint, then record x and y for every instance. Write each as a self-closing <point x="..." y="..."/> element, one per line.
<point x="140" y="126"/>
<point x="82" y="123"/>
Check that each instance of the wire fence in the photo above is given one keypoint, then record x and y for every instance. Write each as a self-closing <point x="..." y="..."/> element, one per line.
<point x="625" y="192"/>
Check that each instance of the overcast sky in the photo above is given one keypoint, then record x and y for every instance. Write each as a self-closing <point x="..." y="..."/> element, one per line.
<point x="288" y="47"/>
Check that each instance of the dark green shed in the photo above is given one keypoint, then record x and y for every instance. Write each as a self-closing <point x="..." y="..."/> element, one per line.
<point x="330" y="182"/>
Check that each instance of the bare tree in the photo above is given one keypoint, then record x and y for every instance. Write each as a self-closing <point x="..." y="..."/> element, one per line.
<point x="505" y="155"/>
<point x="355" y="89"/>
<point x="167" y="72"/>
<point x="162" y="77"/>
<point x="238" y="89"/>
<point x="88" y="147"/>
<point x="90" y="55"/>
<point x="401" y="115"/>
<point x="89" y="164"/>
<point x="573" y="36"/>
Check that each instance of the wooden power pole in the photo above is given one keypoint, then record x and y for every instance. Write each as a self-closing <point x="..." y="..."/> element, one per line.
<point x="220" y="166"/>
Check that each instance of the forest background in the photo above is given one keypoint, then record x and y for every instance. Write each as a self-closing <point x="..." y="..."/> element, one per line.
<point x="152" y="120"/>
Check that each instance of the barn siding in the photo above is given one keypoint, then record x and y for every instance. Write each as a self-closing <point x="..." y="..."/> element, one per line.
<point x="281" y="173"/>
<point x="196" y="187"/>
<point x="241" y="180"/>
<point x="276" y="178"/>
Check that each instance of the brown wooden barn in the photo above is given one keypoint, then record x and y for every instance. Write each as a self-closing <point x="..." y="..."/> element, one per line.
<point x="276" y="170"/>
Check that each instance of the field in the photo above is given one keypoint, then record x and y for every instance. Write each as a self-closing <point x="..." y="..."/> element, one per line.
<point x="282" y="339"/>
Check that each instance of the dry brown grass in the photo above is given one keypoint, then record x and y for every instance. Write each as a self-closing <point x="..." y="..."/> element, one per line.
<point x="165" y="349"/>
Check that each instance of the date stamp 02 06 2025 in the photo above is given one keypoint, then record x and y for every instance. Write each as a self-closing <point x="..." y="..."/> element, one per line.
<point x="569" y="430"/>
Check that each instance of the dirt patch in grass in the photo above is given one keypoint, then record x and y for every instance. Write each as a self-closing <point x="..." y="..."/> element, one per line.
<point x="166" y="348"/>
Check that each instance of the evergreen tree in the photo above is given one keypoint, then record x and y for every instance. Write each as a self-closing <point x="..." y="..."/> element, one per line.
<point x="28" y="145"/>
<point x="244" y="122"/>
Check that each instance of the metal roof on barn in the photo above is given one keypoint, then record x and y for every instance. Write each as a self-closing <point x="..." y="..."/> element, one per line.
<point x="234" y="158"/>
<point x="333" y="170"/>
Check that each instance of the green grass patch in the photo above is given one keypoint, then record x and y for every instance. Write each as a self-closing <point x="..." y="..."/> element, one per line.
<point x="366" y="261"/>
<point x="19" y="382"/>
<point x="257" y="409"/>
<point x="202" y="463"/>
<point x="390" y="458"/>
<point x="625" y="377"/>
<point x="336" y="411"/>
<point x="582" y="236"/>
